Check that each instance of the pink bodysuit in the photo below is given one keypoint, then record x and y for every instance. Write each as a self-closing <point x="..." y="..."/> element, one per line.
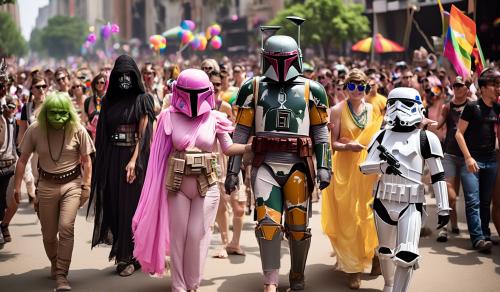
<point x="185" y="231"/>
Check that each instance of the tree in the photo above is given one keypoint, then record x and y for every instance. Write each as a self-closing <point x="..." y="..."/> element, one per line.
<point x="35" y="43"/>
<point x="11" y="40"/>
<point x="329" y="23"/>
<point x="2" y="2"/>
<point x="63" y="36"/>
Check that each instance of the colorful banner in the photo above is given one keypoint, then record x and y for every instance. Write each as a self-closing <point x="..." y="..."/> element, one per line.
<point x="459" y="42"/>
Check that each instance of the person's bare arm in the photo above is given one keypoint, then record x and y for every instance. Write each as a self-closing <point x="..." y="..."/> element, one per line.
<point x="86" y="177"/>
<point x="19" y="174"/>
<point x="459" y="135"/>
<point x="444" y="115"/>
<point x="130" y="168"/>
<point x="23" y="126"/>
<point x="238" y="149"/>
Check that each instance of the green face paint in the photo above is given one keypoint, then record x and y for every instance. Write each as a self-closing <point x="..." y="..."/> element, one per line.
<point x="57" y="117"/>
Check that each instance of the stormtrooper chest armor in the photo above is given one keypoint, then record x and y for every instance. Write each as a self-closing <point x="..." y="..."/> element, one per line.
<point x="406" y="149"/>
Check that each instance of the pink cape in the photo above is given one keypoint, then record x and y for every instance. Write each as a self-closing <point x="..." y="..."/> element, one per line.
<point x="150" y="222"/>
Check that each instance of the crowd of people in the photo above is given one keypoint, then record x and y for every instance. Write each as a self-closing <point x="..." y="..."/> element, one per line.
<point x="138" y="120"/>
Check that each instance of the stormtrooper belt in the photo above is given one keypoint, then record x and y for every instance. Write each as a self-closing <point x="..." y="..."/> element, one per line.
<point x="203" y="165"/>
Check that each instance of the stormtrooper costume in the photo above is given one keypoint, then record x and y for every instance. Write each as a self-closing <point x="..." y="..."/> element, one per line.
<point x="399" y="153"/>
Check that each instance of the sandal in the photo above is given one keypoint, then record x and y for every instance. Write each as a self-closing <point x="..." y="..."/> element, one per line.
<point x="235" y="251"/>
<point x="127" y="271"/>
<point x="6" y="233"/>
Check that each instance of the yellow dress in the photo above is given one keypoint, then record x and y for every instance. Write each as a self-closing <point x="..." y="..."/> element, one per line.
<point x="379" y="103"/>
<point x="346" y="214"/>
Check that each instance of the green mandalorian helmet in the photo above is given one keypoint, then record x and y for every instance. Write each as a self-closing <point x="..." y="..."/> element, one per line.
<point x="281" y="58"/>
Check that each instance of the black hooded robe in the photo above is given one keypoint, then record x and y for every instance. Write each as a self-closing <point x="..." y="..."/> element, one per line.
<point x="113" y="199"/>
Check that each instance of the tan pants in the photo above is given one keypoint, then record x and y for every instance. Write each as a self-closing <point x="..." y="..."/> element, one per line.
<point x="57" y="207"/>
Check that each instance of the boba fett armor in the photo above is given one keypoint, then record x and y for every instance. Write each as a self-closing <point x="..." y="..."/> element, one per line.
<point x="287" y="114"/>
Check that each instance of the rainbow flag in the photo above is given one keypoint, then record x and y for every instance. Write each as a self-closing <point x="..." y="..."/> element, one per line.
<point x="479" y="61"/>
<point x="459" y="42"/>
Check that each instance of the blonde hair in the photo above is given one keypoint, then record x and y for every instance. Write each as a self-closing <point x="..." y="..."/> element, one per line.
<point x="356" y="75"/>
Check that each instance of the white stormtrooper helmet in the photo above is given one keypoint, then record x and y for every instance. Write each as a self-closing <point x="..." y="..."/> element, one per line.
<point x="405" y="105"/>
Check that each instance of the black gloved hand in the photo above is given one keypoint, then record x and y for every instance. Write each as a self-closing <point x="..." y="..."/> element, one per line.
<point x="231" y="182"/>
<point x="443" y="220"/>
<point x="324" y="176"/>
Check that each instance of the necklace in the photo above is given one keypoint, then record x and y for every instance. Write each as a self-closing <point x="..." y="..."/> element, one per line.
<point x="359" y="120"/>
<point x="56" y="160"/>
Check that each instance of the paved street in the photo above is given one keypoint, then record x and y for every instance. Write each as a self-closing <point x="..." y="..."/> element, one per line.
<point x="452" y="266"/>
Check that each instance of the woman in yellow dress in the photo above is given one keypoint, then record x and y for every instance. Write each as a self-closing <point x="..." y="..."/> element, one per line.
<point x="347" y="217"/>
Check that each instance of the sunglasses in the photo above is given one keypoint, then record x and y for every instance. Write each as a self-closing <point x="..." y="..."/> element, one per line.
<point x="101" y="82"/>
<point x="207" y="68"/>
<point x="40" y="87"/>
<point x="353" y="86"/>
<point x="458" y="85"/>
<point x="76" y="86"/>
<point x="217" y="84"/>
<point x="82" y="78"/>
<point x="60" y="78"/>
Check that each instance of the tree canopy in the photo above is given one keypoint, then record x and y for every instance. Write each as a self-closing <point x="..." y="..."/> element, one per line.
<point x="11" y="40"/>
<point x="2" y="2"/>
<point x="63" y="36"/>
<point x="329" y="23"/>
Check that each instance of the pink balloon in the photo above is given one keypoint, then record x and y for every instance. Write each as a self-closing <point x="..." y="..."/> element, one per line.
<point x="115" y="28"/>
<point x="91" y="38"/>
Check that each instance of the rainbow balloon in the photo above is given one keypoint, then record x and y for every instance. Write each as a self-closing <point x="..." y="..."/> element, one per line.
<point x="216" y="42"/>
<point x="215" y="29"/>
<point x="157" y="42"/>
<point x="203" y="42"/>
<point x="188" y="25"/>
<point x="187" y="36"/>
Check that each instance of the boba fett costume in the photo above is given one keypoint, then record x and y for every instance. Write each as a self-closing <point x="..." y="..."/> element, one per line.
<point x="288" y="114"/>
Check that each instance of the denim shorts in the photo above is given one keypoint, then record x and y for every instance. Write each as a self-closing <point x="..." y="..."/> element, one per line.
<point x="452" y="165"/>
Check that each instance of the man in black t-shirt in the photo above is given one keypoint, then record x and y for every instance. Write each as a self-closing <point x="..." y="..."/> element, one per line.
<point x="453" y="159"/>
<point x="476" y="138"/>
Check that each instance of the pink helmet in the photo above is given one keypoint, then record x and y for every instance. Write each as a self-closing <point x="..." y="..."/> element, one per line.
<point x="193" y="93"/>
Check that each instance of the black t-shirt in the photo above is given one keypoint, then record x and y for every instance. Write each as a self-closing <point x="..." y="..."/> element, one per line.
<point x="450" y="143"/>
<point x="480" y="134"/>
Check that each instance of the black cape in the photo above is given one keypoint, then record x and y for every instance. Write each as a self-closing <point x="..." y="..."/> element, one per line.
<point x="112" y="199"/>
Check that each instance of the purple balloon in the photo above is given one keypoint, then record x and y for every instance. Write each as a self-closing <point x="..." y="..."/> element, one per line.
<point x="106" y="31"/>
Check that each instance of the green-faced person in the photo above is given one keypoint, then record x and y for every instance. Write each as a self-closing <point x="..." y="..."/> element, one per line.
<point x="56" y="111"/>
<point x="63" y="147"/>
